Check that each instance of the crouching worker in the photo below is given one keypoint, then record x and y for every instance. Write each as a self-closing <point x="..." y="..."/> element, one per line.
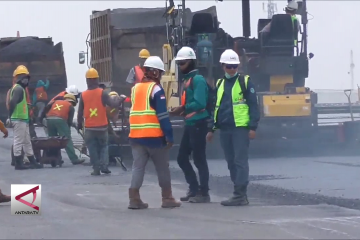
<point x="19" y="117"/>
<point x="92" y="108"/>
<point x="59" y="120"/>
<point x="150" y="134"/>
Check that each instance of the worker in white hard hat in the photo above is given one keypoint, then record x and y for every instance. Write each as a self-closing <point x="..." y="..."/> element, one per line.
<point x="236" y="115"/>
<point x="290" y="9"/>
<point x="151" y="134"/>
<point x="194" y="109"/>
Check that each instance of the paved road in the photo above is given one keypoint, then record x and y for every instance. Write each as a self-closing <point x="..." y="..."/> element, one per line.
<point x="76" y="205"/>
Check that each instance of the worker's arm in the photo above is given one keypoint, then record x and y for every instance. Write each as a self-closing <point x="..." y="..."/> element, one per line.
<point x="47" y="84"/>
<point x="158" y="95"/>
<point x="71" y="116"/>
<point x="110" y="128"/>
<point x="211" y="121"/>
<point x="17" y="97"/>
<point x="252" y="102"/>
<point x="200" y="89"/>
<point x="46" y="110"/>
<point x="131" y="76"/>
<point x="80" y="115"/>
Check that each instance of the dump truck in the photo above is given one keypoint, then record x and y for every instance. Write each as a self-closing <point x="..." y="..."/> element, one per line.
<point x="43" y="58"/>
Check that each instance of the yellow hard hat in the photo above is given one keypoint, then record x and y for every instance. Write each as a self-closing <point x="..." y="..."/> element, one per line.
<point x="70" y="97"/>
<point x="113" y="93"/>
<point x="92" y="73"/>
<point x="21" y="70"/>
<point x="144" y="53"/>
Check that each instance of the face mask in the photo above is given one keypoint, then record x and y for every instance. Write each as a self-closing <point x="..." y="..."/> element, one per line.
<point x="228" y="76"/>
<point x="25" y="81"/>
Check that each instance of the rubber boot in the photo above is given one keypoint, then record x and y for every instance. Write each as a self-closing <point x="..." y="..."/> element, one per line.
<point x="135" y="200"/>
<point x="4" y="198"/>
<point x="19" y="163"/>
<point x="33" y="163"/>
<point x="168" y="201"/>
<point x="239" y="197"/>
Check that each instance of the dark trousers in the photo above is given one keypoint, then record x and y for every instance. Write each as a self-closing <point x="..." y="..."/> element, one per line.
<point x="97" y="144"/>
<point x="194" y="141"/>
<point x="235" y="144"/>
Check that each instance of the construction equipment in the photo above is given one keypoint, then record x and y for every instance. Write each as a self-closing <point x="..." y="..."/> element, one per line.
<point x="41" y="57"/>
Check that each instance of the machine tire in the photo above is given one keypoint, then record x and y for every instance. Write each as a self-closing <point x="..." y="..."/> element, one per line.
<point x="53" y="164"/>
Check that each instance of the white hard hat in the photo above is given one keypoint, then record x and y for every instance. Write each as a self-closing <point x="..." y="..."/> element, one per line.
<point x="229" y="57"/>
<point x="154" y="62"/>
<point x="72" y="89"/>
<point x="185" y="53"/>
<point x="293" y="5"/>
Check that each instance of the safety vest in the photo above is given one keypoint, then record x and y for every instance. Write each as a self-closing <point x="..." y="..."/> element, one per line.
<point x="59" y="95"/>
<point x="139" y="74"/>
<point x="8" y="97"/>
<point x="240" y="108"/>
<point x="183" y="99"/>
<point x="94" y="110"/>
<point x="41" y="94"/>
<point x="143" y="120"/>
<point x="21" y="110"/>
<point x="60" y="108"/>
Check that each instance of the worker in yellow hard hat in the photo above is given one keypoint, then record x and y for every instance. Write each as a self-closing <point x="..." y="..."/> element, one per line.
<point x="92" y="108"/>
<point x="19" y="118"/>
<point x="59" y="119"/>
<point x="136" y="73"/>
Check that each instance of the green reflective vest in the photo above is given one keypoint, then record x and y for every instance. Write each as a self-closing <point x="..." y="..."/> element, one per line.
<point x="240" y="108"/>
<point x="21" y="111"/>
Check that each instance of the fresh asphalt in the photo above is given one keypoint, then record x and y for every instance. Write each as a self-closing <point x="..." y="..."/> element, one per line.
<point x="291" y="198"/>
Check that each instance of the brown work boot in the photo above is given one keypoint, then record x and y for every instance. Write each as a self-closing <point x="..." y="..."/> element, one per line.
<point x="4" y="198"/>
<point x="168" y="201"/>
<point x="135" y="200"/>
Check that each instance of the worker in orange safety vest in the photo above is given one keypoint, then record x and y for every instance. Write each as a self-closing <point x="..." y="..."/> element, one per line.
<point x="92" y="108"/>
<point x="136" y="73"/>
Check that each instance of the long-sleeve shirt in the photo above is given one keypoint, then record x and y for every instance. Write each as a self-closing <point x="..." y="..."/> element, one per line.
<point x="158" y="102"/>
<point x="225" y="116"/>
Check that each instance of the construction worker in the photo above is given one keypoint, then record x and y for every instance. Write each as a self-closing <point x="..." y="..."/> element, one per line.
<point x="59" y="120"/>
<point x="40" y="97"/>
<point x="19" y="117"/>
<point x="193" y="141"/>
<point x="92" y="108"/>
<point x="136" y="73"/>
<point x="150" y="135"/>
<point x="236" y="114"/>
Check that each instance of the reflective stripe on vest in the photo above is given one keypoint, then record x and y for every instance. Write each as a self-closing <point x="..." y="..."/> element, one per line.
<point x="143" y="120"/>
<point x="21" y="110"/>
<point x="294" y="21"/>
<point x="41" y="93"/>
<point x="60" y="108"/>
<point x="139" y="74"/>
<point x="94" y="110"/>
<point x="240" y="108"/>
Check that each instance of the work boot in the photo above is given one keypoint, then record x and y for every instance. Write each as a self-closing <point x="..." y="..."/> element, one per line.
<point x="33" y="163"/>
<point x="168" y="201"/>
<point x="135" y="200"/>
<point x="189" y="194"/>
<point x="4" y="198"/>
<point x="200" y="197"/>
<point x="96" y="172"/>
<point x="78" y="161"/>
<point x="105" y="170"/>
<point x="239" y="197"/>
<point x="19" y="163"/>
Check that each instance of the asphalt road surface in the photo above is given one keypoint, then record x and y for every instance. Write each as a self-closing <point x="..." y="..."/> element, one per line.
<point x="303" y="198"/>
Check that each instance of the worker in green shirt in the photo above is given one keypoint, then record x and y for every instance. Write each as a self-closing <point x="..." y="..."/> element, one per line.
<point x="19" y="118"/>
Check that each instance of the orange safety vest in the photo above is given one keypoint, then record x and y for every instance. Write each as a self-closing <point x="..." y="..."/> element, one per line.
<point x="139" y="74"/>
<point x="63" y="93"/>
<point x="41" y="94"/>
<point x="143" y="120"/>
<point x="94" y="110"/>
<point x="60" y="108"/>
<point x="183" y="99"/>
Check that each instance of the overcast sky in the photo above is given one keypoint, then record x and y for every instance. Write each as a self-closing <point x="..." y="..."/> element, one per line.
<point x="333" y="31"/>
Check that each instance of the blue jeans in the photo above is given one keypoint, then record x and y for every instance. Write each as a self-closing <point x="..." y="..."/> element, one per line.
<point x="97" y="144"/>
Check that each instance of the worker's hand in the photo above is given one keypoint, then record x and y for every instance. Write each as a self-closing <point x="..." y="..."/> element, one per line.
<point x="79" y="128"/>
<point x="169" y="144"/>
<point x="209" y="136"/>
<point x="178" y="111"/>
<point x="8" y="122"/>
<point x="6" y="133"/>
<point x="252" y="134"/>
